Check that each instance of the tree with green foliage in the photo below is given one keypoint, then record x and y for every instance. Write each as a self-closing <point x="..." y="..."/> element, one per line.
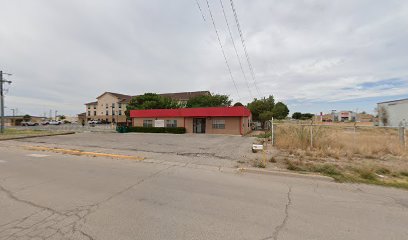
<point x="238" y="104"/>
<point x="307" y="116"/>
<point x="297" y="115"/>
<point x="216" y="100"/>
<point x="280" y="111"/>
<point x="150" y="101"/>
<point x="302" y="116"/>
<point x="265" y="116"/>
<point x="26" y="118"/>
<point x="258" y="106"/>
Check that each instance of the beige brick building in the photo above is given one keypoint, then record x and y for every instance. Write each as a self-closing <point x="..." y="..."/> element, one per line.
<point x="111" y="107"/>
<point x="212" y="120"/>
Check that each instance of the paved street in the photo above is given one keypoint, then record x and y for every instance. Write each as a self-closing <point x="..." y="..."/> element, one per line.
<point x="48" y="195"/>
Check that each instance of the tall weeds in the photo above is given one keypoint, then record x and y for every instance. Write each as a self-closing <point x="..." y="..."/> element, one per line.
<point x="337" y="142"/>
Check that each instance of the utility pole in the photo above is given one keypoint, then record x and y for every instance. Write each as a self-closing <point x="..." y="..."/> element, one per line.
<point x="2" y="81"/>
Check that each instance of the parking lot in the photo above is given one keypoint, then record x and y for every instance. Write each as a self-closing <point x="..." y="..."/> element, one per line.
<point x="216" y="150"/>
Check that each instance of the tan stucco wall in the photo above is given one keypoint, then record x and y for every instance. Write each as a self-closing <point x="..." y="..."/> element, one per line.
<point x="101" y="109"/>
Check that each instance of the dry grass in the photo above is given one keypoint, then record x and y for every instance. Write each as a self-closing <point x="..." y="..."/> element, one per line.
<point x="11" y="133"/>
<point x="367" y="155"/>
<point x="340" y="141"/>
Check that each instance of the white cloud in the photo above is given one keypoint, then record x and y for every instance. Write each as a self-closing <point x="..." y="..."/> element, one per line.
<point x="65" y="53"/>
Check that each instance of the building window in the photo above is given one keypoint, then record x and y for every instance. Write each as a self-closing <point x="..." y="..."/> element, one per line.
<point x="113" y="105"/>
<point x="218" y="124"/>
<point x="94" y="113"/>
<point x="89" y="113"/>
<point x="94" y="106"/>
<point x="171" y="123"/>
<point x="107" y="112"/>
<point x="107" y="106"/>
<point x="120" y="112"/>
<point x="147" y="123"/>
<point x="113" y="112"/>
<point x="89" y="106"/>
<point x="119" y="105"/>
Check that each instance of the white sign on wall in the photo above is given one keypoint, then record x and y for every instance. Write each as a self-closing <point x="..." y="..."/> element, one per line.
<point x="158" y="123"/>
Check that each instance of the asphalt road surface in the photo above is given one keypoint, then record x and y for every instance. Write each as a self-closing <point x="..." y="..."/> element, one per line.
<point x="47" y="195"/>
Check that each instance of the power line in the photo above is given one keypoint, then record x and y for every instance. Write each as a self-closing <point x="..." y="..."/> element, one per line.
<point x="222" y="49"/>
<point x="235" y="48"/>
<point x="244" y="46"/>
<point x="201" y="11"/>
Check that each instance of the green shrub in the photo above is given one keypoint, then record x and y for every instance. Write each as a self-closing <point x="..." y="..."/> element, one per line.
<point x="177" y="130"/>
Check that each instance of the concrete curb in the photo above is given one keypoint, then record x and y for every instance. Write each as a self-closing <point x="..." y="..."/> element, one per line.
<point x="286" y="174"/>
<point x="35" y="136"/>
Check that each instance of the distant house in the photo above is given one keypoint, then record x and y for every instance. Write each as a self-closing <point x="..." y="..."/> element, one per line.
<point x="111" y="107"/>
<point x="393" y="113"/>
<point x="212" y="120"/>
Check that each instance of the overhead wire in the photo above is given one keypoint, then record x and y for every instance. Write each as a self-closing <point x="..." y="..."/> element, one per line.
<point x="235" y="48"/>
<point x="201" y="11"/>
<point x="244" y="46"/>
<point x="222" y="50"/>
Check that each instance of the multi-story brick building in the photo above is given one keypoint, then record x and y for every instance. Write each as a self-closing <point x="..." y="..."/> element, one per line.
<point x="111" y="107"/>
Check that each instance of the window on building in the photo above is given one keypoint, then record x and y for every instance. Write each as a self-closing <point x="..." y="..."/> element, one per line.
<point x="94" y="106"/>
<point x="89" y="113"/>
<point x="107" y="112"/>
<point x="106" y="105"/>
<point x="89" y="106"/>
<point x="147" y="123"/>
<point x="113" y="105"/>
<point x="120" y="112"/>
<point x="113" y="112"/>
<point x="94" y="113"/>
<point x="171" y="123"/>
<point x="119" y="105"/>
<point x="218" y="124"/>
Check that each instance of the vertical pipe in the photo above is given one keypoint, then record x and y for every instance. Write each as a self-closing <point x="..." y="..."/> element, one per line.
<point x="2" y="103"/>
<point x="272" y="134"/>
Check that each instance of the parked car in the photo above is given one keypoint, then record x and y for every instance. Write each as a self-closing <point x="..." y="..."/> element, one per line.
<point x="53" y="122"/>
<point x="94" y="122"/>
<point x="29" y="124"/>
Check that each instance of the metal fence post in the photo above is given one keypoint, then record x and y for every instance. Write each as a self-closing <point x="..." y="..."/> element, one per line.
<point x="402" y="134"/>
<point x="311" y="134"/>
<point x="272" y="134"/>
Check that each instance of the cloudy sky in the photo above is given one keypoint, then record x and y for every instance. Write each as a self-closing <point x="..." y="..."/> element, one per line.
<point x="315" y="55"/>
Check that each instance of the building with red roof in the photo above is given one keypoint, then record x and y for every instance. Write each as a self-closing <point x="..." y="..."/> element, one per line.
<point x="211" y="120"/>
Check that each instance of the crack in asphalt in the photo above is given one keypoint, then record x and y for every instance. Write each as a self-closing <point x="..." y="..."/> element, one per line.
<point x="279" y="228"/>
<point x="49" y="223"/>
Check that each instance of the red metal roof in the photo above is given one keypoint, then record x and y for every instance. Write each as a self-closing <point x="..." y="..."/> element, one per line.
<point x="238" y="111"/>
